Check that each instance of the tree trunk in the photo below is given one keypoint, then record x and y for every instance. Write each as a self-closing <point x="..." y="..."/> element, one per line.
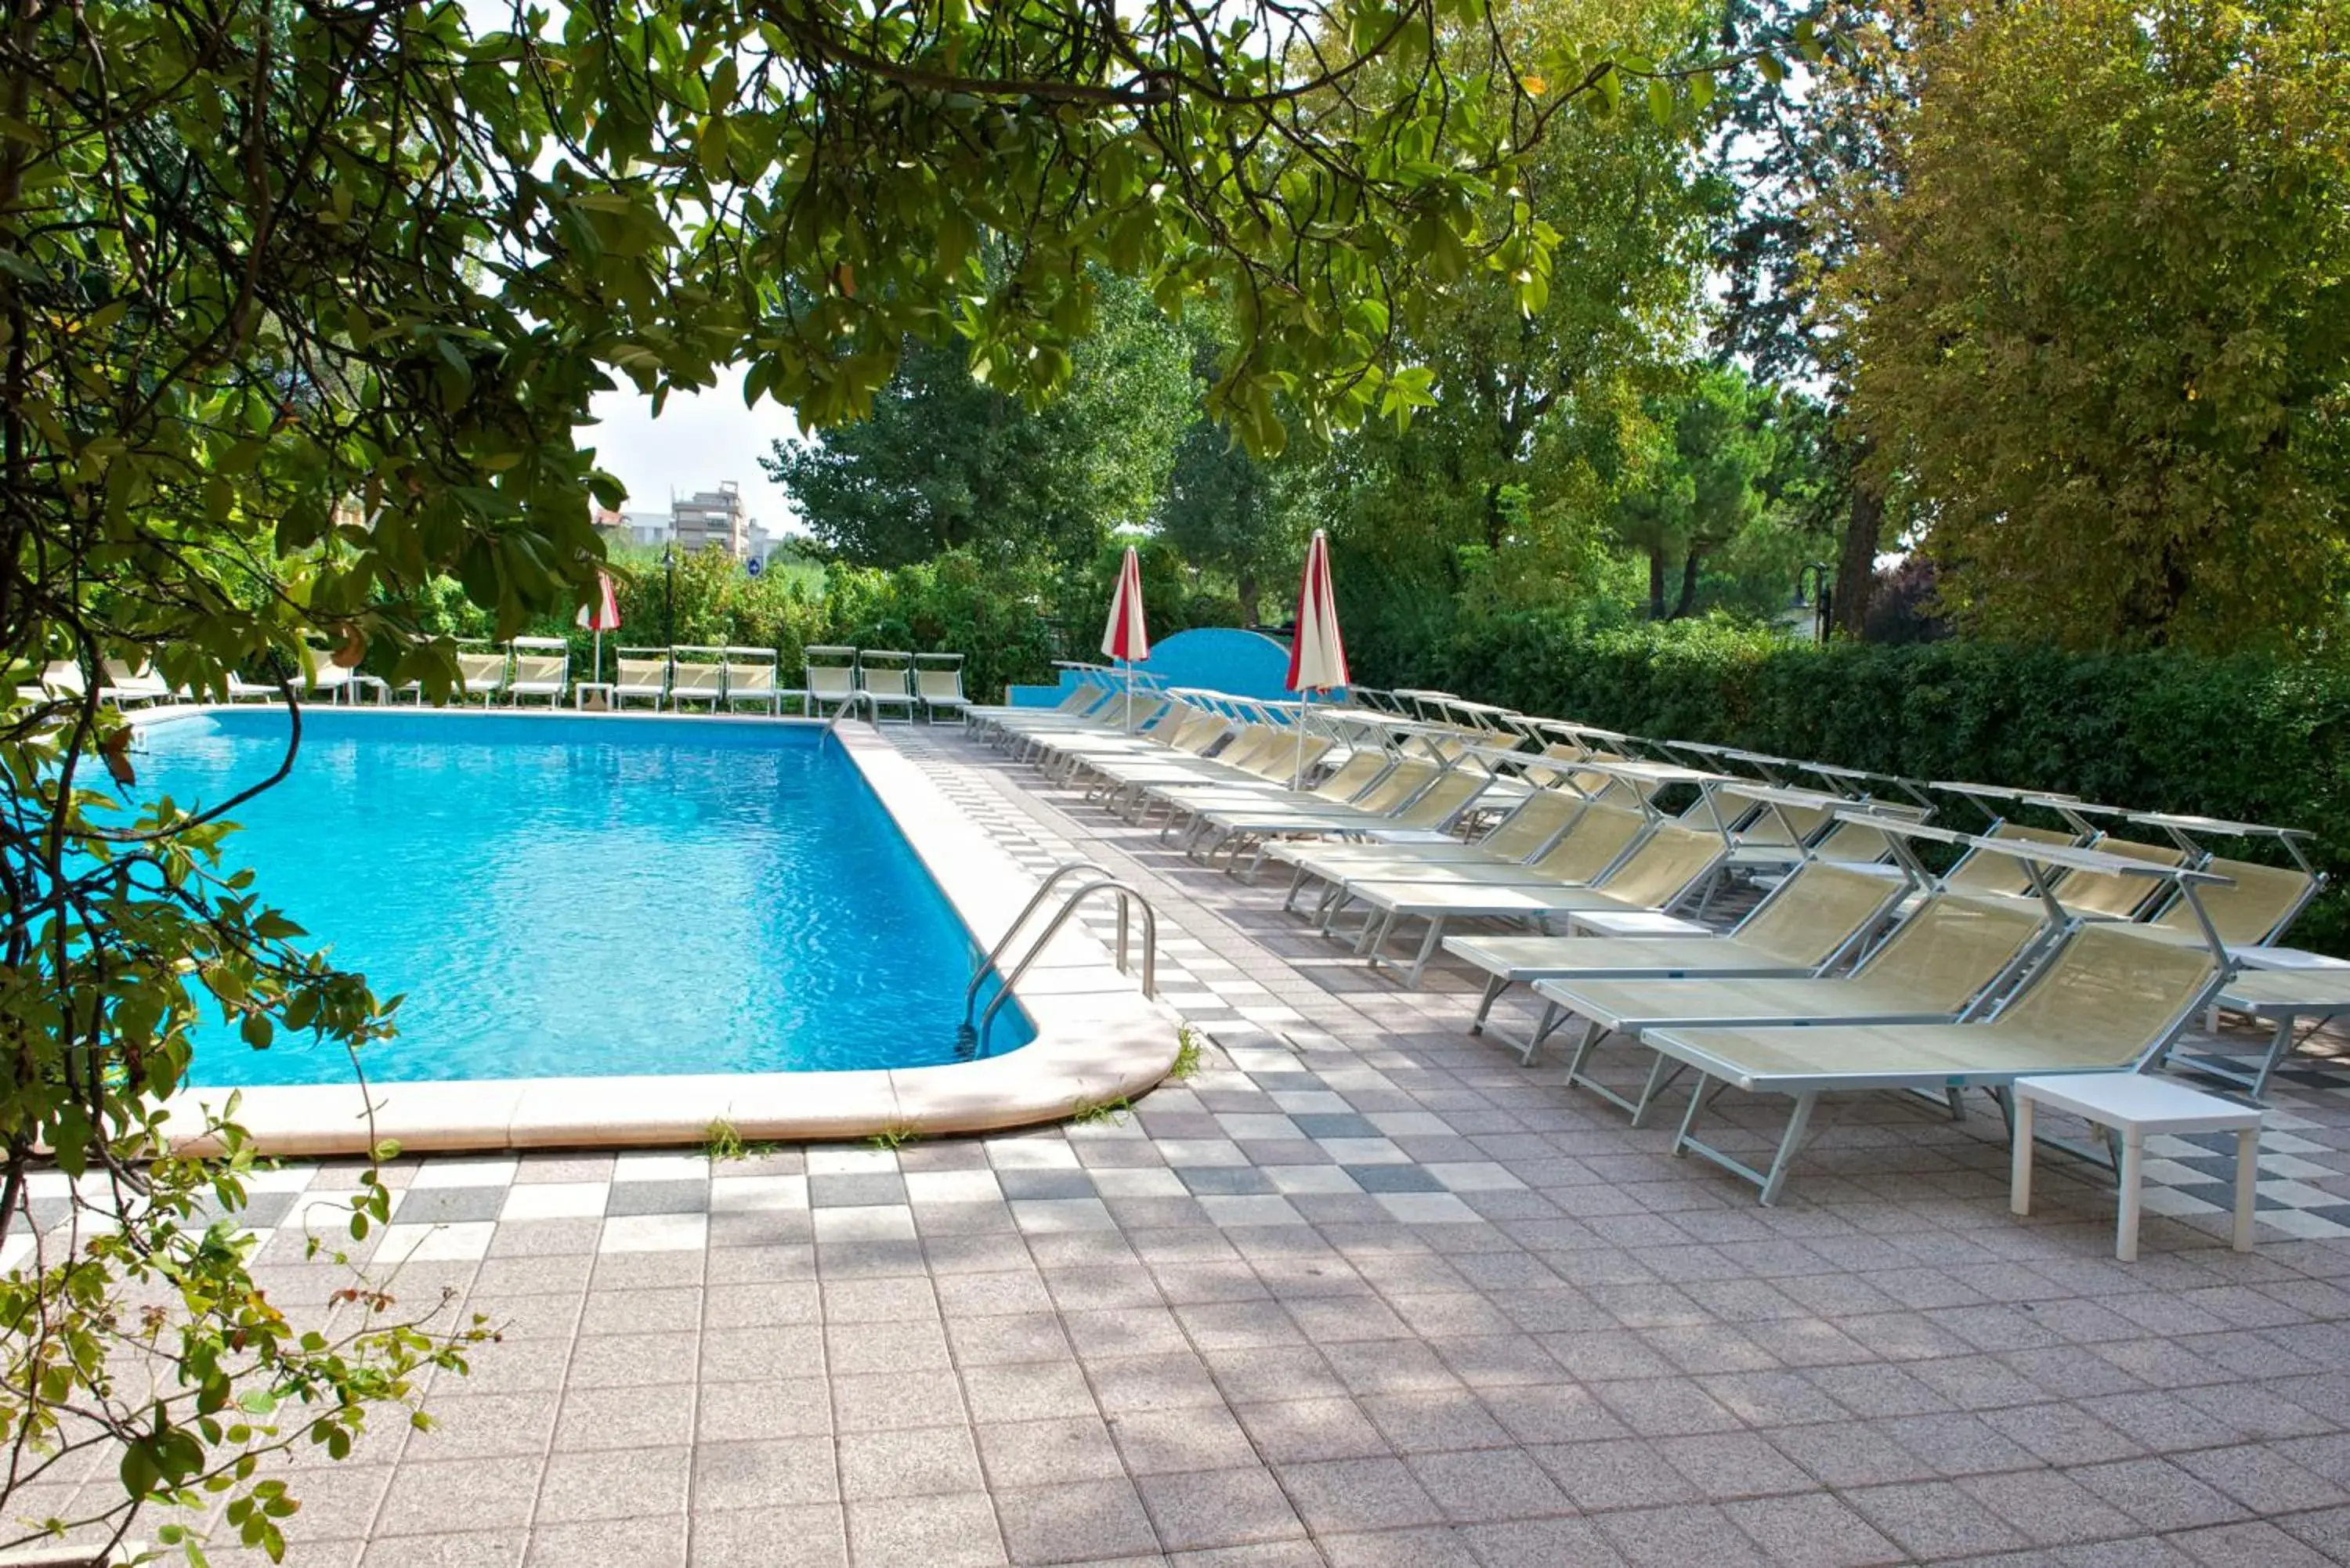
<point x="1691" y="563"/>
<point x="1245" y="590"/>
<point x="1855" y="578"/>
<point x="1656" y="582"/>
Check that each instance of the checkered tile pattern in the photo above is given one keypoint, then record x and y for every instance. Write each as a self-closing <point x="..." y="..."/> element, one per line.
<point x="1364" y="1291"/>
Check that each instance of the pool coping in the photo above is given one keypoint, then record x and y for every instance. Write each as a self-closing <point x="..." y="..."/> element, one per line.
<point x="1099" y="1041"/>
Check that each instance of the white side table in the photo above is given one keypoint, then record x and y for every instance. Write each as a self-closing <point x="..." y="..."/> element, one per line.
<point x="2134" y="1104"/>
<point x="603" y="689"/>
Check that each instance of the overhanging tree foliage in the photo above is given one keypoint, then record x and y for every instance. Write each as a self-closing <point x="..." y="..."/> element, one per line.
<point x="300" y="304"/>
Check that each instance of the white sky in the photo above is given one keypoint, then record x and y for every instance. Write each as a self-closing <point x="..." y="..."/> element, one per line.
<point x="698" y="442"/>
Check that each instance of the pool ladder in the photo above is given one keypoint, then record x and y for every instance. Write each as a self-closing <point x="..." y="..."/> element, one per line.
<point x="970" y="1039"/>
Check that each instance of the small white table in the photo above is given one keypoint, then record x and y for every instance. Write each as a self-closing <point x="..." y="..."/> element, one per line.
<point x="601" y="687"/>
<point x="2134" y="1104"/>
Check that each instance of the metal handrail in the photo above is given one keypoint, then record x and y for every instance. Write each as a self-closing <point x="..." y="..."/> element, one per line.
<point x="979" y="972"/>
<point x="1126" y="896"/>
<point x="872" y="710"/>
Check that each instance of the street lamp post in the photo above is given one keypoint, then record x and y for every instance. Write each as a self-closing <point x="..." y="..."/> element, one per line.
<point x="669" y="594"/>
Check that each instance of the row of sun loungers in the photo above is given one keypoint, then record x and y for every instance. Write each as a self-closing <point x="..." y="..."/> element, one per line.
<point x="2084" y="947"/>
<point x="884" y="683"/>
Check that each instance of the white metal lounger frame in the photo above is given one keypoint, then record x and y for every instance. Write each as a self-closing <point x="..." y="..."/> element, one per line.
<point x="1715" y="1074"/>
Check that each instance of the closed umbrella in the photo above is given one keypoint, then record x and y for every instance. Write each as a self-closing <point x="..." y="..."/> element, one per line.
<point x="1125" y="638"/>
<point x="601" y="616"/>
<point x="1317" y="655"/>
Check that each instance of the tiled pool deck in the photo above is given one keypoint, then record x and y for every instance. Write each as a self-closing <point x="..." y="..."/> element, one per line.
<point x="1363" y="1291"/>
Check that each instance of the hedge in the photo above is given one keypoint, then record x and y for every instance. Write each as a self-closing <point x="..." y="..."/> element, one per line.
<point x="2247" y="738"/>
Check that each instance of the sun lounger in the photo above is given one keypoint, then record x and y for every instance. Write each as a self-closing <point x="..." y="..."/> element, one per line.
<point x="541" y="668"/>
<point x="1422" y="806"/>
<point x="885" y="676"/>
<point x="751" y="678"/>
<point x="1530" y="829"/>
<point x="641" y="673"/>
<point x="989" y="721"/>
<point x="1669" y="864"/>
<point x="480" y="673"/>
<point x="125" y="684"/>
<point x="697" y="674"/>
<point x="938" y="685"/>
<point x="1952" y="954"/>
<point x="2104" y="1001"/>
<point x="830" y="671"/>
<point x="1812" y="920"/>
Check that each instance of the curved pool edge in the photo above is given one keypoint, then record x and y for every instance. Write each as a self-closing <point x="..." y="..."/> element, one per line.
<point x="1098" y="1040"/>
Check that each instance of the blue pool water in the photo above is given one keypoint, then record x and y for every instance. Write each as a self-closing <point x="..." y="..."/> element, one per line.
<point x="573" y="896"/>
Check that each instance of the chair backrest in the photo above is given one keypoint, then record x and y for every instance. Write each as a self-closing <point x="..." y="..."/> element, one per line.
<point x="1771" y="825"/>
<point x="1859" y="843"/>
<point x="541" y="669"/>
<point x="319" y="671"/>
<point x="939" y="685"/>
<point x="121" y="673"/>
<point x="696" y="677"/>
<point x="1251" y="742"/>
<point x="1351" y="777"/>
<point x="831" y="671"/>
<point x="2108" y="996"/>
<point x="1595" y="840"/>
<point x="885" y="672"/>
<point x="1987" y="871"/>
<point x="1286" y="754"/>
<point x="641" y="668"/>
<point x="1809" y="916"/>
<point x="1952" y="948"/>
<point x="1407" y="779"/>
<point x="540" y="662"/>
<point x="1444" y="799"/>
<point x="475" y="670"/>
<point x="750" y="671"/>
<point x="1527" y="831"/>
<point x="1665" y="865"/>
<point x="2252" y="908"/>
<point x="62" y="675"/>
<point x="2110" y="893"/>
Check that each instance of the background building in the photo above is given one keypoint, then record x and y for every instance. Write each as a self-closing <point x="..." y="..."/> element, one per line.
<point x="711" y="519"/>
<point x="706" y="520"/>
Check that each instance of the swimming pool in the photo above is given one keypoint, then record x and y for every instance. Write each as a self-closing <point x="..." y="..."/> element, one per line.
<point x="562" y="898"/>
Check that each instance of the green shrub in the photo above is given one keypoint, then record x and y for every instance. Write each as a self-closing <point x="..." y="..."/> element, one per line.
<point x="2248" y="737"/>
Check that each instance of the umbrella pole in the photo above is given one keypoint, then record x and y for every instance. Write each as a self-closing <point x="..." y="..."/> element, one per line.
<point x="1129" y="694"/>
<point x="597" y="674"/>
<point x="1297" y="773"/>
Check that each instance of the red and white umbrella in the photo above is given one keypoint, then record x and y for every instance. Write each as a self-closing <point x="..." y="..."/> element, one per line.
<point x="1317" y="654"/>
<point x="1124" y="638"/>
<point x="601" y="616"/>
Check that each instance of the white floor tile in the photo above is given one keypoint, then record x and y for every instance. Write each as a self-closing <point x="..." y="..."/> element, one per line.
<point x="655" y="1233"/>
